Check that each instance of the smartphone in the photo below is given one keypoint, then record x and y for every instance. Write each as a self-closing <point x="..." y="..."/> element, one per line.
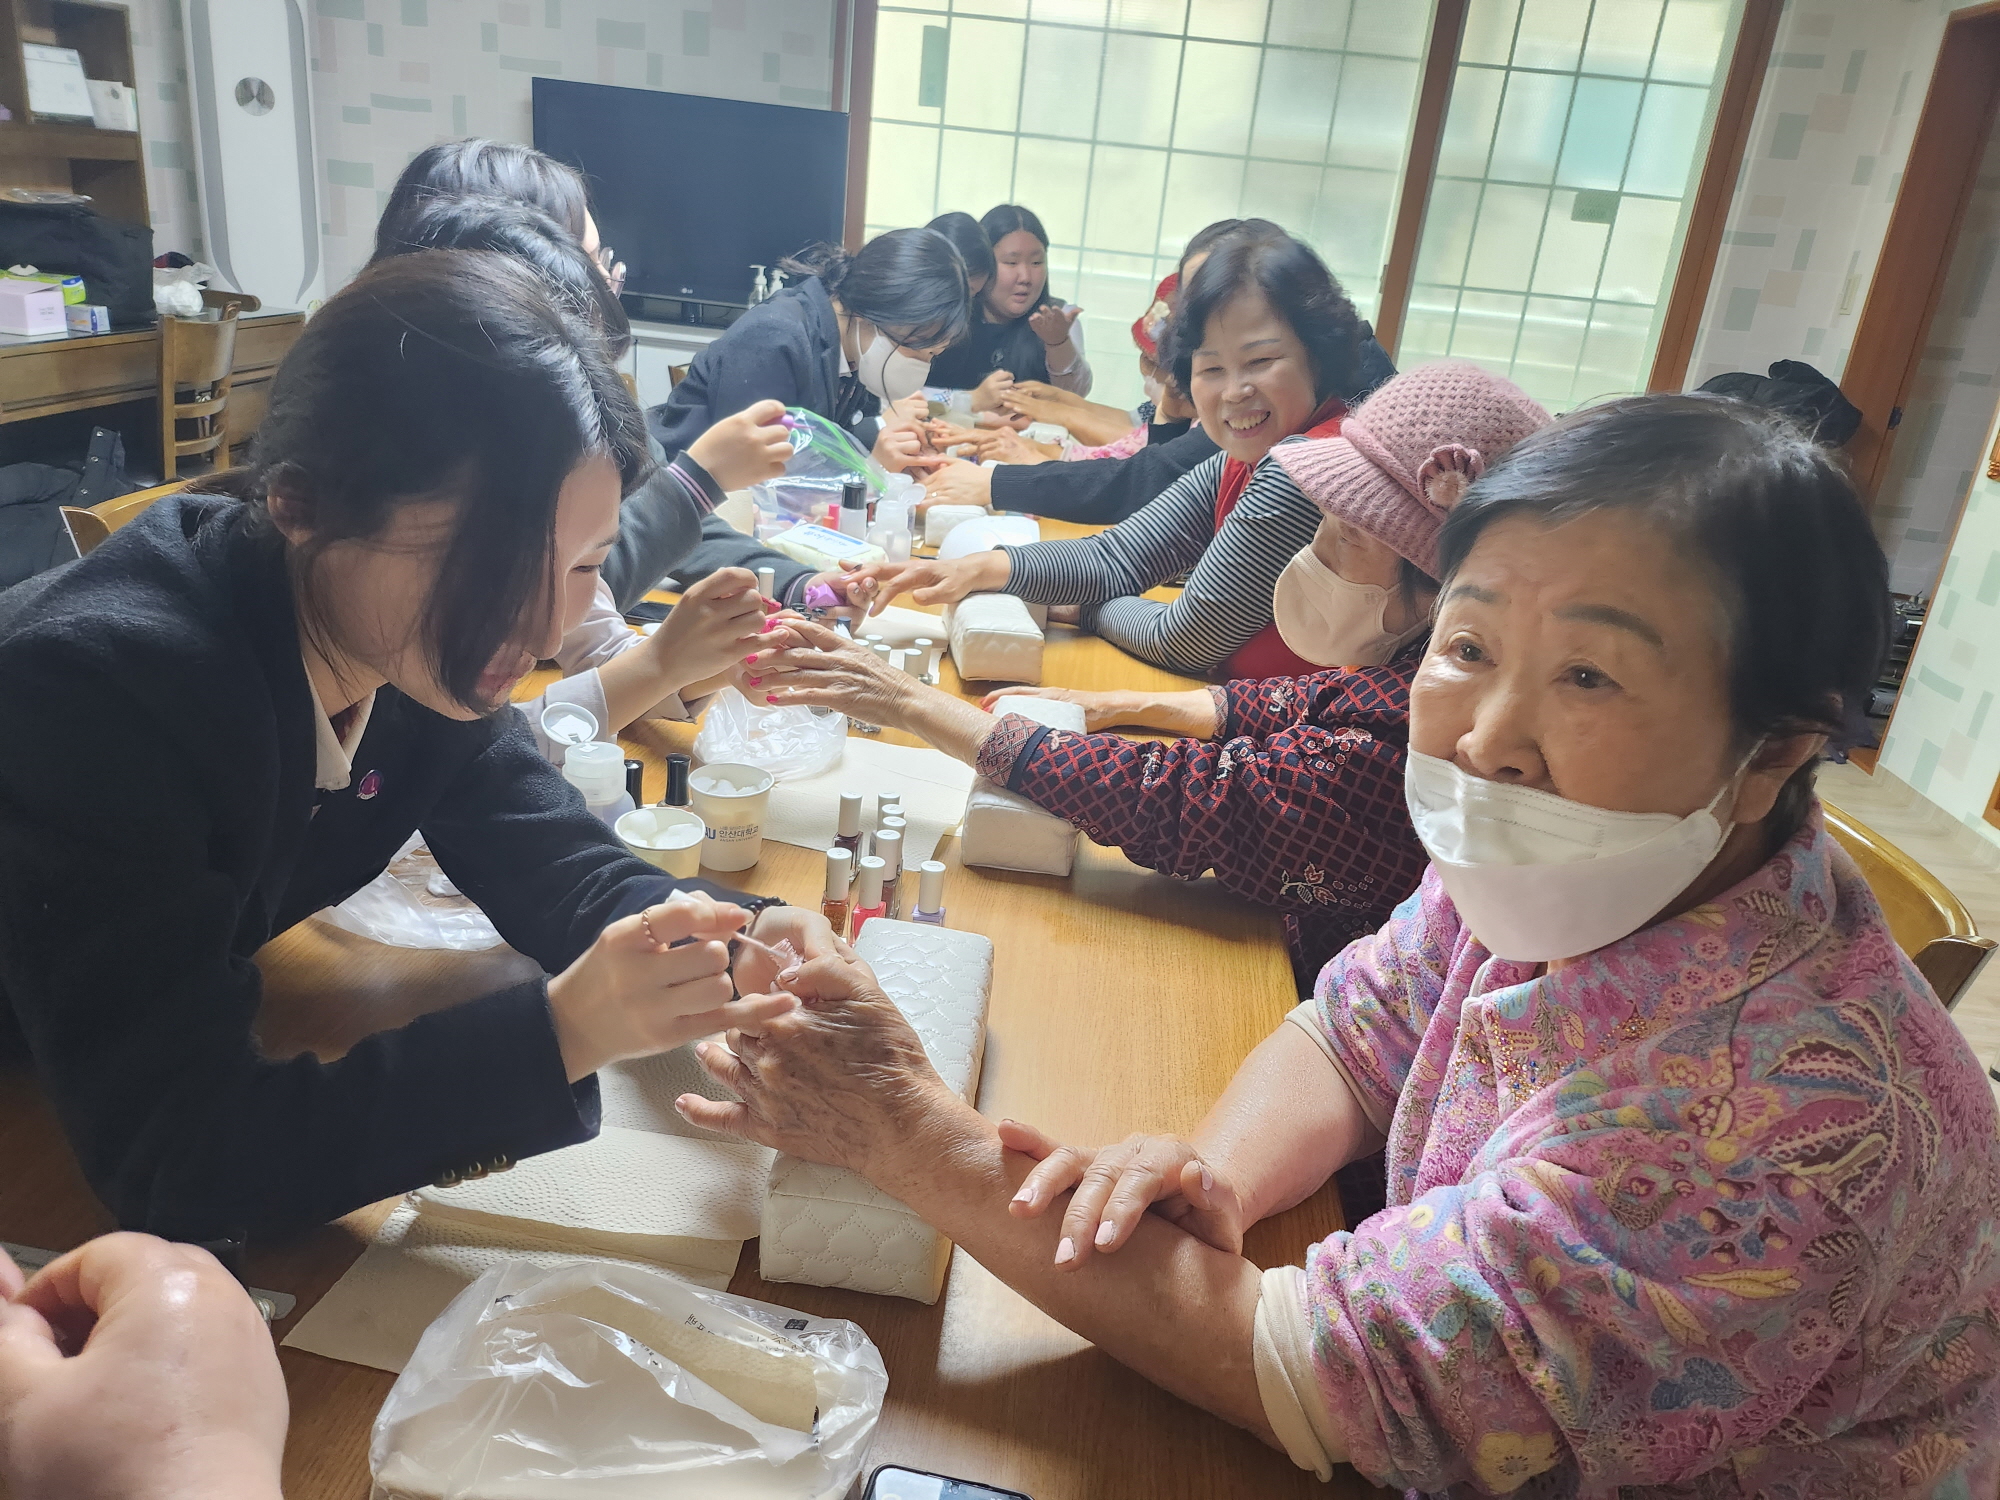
<point x="891" y="1482"/>
<point x="646" y="612"/>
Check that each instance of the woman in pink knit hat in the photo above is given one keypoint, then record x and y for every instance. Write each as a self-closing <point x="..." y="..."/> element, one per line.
<point x="1288" y="789"/>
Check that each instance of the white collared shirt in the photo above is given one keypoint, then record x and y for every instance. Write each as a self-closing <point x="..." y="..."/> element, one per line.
<point x="335" y="765"/>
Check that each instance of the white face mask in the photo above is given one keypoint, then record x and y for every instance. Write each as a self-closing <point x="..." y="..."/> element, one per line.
<point x="1332" y="621"/>
<point x="888" y="371"/>
<point x="1538" y="877"/>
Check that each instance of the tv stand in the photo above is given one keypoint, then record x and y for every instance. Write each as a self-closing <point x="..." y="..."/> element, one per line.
<point x="642" y="307"/>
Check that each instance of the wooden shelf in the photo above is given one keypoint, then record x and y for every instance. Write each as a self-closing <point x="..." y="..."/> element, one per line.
<point x="74" y="142"/>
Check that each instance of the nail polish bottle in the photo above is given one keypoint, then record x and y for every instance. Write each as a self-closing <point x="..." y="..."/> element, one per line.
<point x="854" y="510"/>
<point x="767" y="582"/>
<point x="868" y="900"/>
<point x="848" y="834"/>
<point x="930" y="893"/>
<point x="677" y="781"/>
<point x="889" y="849"/>
<point x="927" y="662"/>
<point x="833" y="904"/>
<point x="635" y="776"/>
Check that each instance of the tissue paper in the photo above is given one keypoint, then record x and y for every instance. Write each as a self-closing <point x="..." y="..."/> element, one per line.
<point x="994" y="638"/>
<point x="826" y="1226"/>
<point x="939" y="520"/>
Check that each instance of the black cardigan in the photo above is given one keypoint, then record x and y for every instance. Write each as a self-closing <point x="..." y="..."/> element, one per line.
<point x="159" y="823"/>
<point x="786" y="349"/>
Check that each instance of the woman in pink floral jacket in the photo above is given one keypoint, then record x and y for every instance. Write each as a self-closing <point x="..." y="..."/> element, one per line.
<point x="1694" y="1188"/>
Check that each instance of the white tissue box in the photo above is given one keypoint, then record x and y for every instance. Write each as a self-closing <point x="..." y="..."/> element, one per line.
<point x="826" y="1226"/>
<point x="31" y="307"/>
<point x="1003" y="831"/>
<point x="940" y="519"/>
<point x="994" y="638"/>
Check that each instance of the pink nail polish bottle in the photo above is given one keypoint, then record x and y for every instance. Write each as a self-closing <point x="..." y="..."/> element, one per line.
<point x="868" y="900"/>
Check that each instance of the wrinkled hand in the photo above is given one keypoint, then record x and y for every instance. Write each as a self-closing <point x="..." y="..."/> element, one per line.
<point x="809" y="933"/>
<point x="745" y="449"/>
<point x="1115" y="1187"/>
<point x="986" y="395"/>
<point x="842" y="1079"/>
<point x="1041" y="393"/>
<point x="998" y="445"/>
<point x="824" y="669"/>
<point x="849" y="584"/>
<point x="651" y="982"/>
<point x="1101" y="708"/>
<point x="132" y="1369"/>
<point x="1052" y="323"/>
<point x="902" y="448"/>
<point x="714" y="626"/>
<point x="958" y="484"/>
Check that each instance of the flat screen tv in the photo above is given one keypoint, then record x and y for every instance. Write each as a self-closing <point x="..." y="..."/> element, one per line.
<point x="693" y="192"/>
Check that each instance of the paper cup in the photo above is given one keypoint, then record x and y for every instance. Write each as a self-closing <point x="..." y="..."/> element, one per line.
<point x="735" y="817"/>
<point x="670" y="838"/>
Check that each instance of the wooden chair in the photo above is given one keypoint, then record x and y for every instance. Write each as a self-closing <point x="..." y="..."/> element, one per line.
<point x="1929" y="922"/>
<point x="196" y="357"/>
<point x="676" y="374"/>
<point x="89" y="525"/>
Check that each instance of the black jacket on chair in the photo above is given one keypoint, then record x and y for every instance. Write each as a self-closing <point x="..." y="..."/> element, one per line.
<point x="159" y="823"/>
<point x="786" y="349"/>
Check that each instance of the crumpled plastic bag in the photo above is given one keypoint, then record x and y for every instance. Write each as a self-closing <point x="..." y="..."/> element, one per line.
<point x="824" y="460"/>
<point x="792" y="742"/>
<point x="413" y="904"/>
<point x="603" y="1381"/>
<point x="177" y="289"/>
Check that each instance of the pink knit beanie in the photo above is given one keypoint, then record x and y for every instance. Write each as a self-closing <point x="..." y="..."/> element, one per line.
<point x="1407" y="453"/>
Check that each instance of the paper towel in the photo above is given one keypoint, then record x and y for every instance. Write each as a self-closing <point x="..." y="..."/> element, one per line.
<point x="934" y="787"/>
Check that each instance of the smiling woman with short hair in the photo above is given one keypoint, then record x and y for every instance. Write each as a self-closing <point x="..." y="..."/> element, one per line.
<point x="1692" y="1181"/>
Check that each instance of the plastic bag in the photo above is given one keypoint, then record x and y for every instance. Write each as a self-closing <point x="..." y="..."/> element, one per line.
<point x="412" y="904"/>
<point x="824" y="460"/>
<point x="791" y="743"/>
<point x="546" y="1385"/>
<point x="177" y="289"/>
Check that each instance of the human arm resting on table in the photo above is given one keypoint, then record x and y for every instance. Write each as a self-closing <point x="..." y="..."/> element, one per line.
<point x="1227" y="599"/>
<point x="1195" y="712"/>
<point x="1166" y="537"/>
<point x="1097" y="491"/>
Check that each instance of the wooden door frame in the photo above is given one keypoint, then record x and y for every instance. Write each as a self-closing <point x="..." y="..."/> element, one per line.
<point x="1909" y="277"/>
<point x="1392" y="305"/>
<point x="854" y="92"/>
<point x="1708" y="215"/>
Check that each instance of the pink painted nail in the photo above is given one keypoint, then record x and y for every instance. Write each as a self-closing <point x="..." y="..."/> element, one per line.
<point x="1207" y="1180"/>
<point x="1106" y="1233"/>
<point x="1026" y="1195"/>
<point x="750" y="660"/>
<point x="754" y="681"/>
<point x="1066" y="1251"/>
<point x="769" y="698"/>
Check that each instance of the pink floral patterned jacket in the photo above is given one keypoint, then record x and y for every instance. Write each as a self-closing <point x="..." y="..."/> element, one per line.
<point x="1714" y="1211"/>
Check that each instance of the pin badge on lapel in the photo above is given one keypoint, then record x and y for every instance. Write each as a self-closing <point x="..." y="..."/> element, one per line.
<point x="370" y="785"/>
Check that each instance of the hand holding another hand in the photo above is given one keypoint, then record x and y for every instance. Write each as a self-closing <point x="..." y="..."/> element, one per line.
<point x="1112" y="1187"/>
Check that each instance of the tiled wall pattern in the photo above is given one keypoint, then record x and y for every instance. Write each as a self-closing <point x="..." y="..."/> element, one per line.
<point x="160" y="56"/>
<point x="392" y="76"/>
<point x="1951" y="401"/>
<point x="1833" y="127"/>
<point x="1945" y="740"/>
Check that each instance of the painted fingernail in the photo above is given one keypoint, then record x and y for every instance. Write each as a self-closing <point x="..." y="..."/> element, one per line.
<point x="1207" y="1180"/>
<point x="1026" y="1195"/>
<point x="1066" y="1251"/>
<point x="1106" y="1233"/>
<point x="750" y="660"/>
<point x="769" y="698"/>
<point x="754" y="681"/>
<point x="792" y="972"/>
<point x="701" y="1049"/>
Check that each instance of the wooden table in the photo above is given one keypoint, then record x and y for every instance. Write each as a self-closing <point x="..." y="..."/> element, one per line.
<point x="1122" y="1000"/>
<point x="42" y="376"/>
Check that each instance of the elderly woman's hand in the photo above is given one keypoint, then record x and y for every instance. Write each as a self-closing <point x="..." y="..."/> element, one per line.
<point x="1115" y="1186"/>
<point x="822" y="668"/>
<point x="841" y="1080"/>
<point x="958" y="483"/>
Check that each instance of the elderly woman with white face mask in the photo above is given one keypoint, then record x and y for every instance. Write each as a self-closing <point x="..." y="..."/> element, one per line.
<point x="1692" y="1181"/>
<point x="1288" y="788"/>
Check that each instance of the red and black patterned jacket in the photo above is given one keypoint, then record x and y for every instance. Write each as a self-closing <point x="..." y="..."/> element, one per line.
<point x="1297" y="802"/>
